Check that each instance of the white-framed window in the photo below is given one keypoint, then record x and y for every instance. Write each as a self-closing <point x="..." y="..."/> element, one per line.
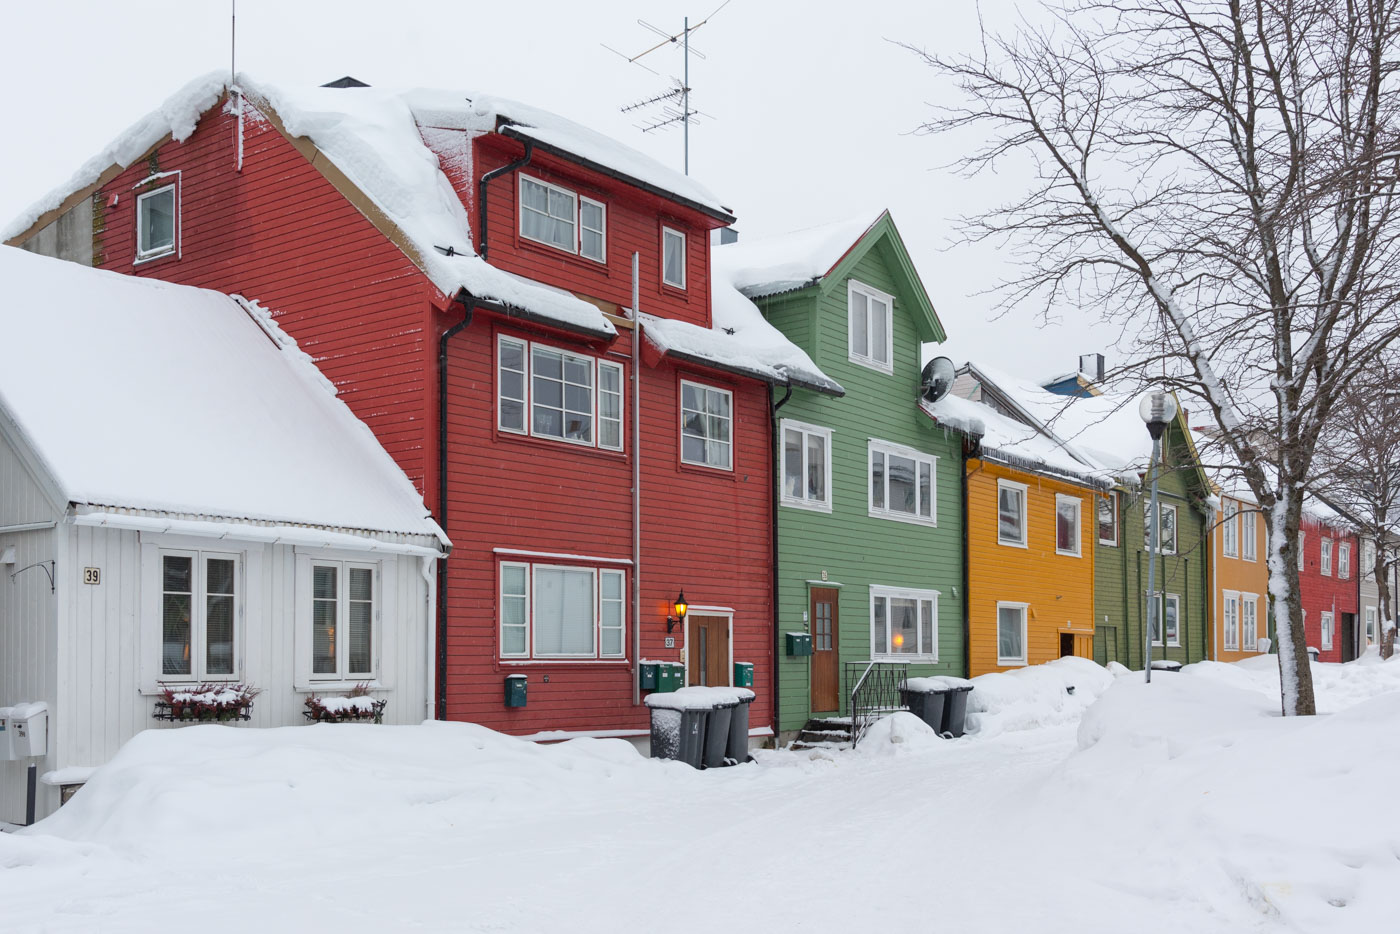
<point x="1326" y="560"/>
<point x="1108" y="518"/>
<point x="1011" y="633"/>
<point x="806" y="480"/>
<point x="1230" y="526"/>
<point x="1249" y="534"/>
<point x="551" y="393"/>
<point x="1166" y="543"/>
<point x="1011" y="513"/>
<point x="1368" y="560"/>
<point x="673" y="258"/>
<point x="904" y="623"/>
<point x="344" y="610"/>
<point x="563" y="219"/>
<point x="1326" y="629"/>
<point x="156" y="220"/>
<point x="1302" y="555"/>
<point x="1249" y="621"/>
<point x="903" y="483"/>
<point x="870" y="326"/>
<point x="1344" y="560"/>
<point x="707" y="426"/>
<point x="562" y="611"/>
<point x="1067" y="510"/>
<point x="1232" y="621"/>
<point x="1171" y="609"/>
<point x="1371" y="625"/>
<point x="200" y="605"/>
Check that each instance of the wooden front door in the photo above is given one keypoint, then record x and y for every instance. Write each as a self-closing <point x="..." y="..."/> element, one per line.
<point x="826" y="666"/>
<point x="709" y="651"/>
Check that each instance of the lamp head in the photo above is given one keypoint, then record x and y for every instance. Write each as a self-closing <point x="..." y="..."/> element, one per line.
<point x="1157" y="410"/>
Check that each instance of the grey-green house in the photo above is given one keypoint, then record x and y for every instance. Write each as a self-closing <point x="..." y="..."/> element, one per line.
<point x="869" y="514"/>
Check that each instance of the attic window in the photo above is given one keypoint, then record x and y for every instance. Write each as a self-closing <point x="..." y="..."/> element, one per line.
<point x="155" y="223"/>
<point x="870" y="328"/>
<point x="562" y="219"/>
<point x="673" y="257"/>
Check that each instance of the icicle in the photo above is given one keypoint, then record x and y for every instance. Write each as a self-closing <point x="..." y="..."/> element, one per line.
<point x="238" y="109"/>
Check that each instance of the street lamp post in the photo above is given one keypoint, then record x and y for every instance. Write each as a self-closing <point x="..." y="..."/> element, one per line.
<point x="1157" y="410"/>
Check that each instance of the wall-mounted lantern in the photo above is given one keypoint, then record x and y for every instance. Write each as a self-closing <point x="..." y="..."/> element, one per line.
<point x="681" y="608"/>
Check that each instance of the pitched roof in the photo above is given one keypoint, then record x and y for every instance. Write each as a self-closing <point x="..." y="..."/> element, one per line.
<point x="140" y="394"/>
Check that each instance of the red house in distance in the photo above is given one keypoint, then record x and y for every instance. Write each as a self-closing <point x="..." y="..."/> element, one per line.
<point x="462" y="268"/>
<point x="1329" y="579"/>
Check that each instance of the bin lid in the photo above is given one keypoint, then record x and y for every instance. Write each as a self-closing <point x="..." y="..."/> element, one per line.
<point x="700" y="698"/>
<point x="939" y="684"/>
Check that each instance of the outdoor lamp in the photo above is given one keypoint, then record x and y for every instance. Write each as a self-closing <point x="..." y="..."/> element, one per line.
<point x="681" y="608"/>
<point x="1157" y="409"/>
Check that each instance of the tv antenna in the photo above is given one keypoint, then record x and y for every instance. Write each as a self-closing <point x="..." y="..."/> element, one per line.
<point x="673" y="105"/>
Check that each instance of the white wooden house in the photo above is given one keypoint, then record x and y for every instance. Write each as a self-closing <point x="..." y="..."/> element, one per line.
<point x="183" y="501"/>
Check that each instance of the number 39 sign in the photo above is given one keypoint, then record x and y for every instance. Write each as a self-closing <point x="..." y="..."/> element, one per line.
<point x="92" y="575"/>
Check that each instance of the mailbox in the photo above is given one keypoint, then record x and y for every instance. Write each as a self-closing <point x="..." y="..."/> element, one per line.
<point x="516" y="690"/>
<point x="649" y="676"/>
<point x="24" y="731"/>
<point x="799" y="643"/>
<point x="743" y="674"/>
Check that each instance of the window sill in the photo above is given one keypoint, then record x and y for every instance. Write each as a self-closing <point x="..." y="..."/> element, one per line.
<point x="872" y="364"/>
<point x="555" y="251"/>
<point x="1002" y="541"/>
<point x="911" y="659"/>
<point x="900" y="517"/>
<point x="1068" y="554"/>
<point x="1108" y="543"/>
<point x="1011" y="663"/>
<point x="316" y="687"/>
<point x="152" y="257"/>
<point x="806" y="504"/>
<point x="156" y="690"/>
<point x="506" y="434"/>
<point x="706" y="470"/>
<point x="518" y="662"/>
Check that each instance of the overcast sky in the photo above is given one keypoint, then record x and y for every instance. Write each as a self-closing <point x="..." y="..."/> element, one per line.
<point x="810" y="107"/>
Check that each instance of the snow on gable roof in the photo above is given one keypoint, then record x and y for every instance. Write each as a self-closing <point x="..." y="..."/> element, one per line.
<point x="197" y="411"/>
<point x="782" y="263"/>
<point x="755" y="347"/>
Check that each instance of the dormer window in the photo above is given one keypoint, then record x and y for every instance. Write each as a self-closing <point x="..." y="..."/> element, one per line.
<point x="155" y="223"/>
<point x="673" y="257"/>
<point x="563" y="219"/>
<point x="870" y="328"/>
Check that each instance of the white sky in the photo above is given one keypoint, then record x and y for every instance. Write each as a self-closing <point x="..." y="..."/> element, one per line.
<point x="812" y="108"/>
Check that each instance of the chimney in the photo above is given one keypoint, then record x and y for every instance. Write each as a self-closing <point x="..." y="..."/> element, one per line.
<point x="1091" y="367"/>
<point x="728" y="235"/>
<point x="345" y="82"/>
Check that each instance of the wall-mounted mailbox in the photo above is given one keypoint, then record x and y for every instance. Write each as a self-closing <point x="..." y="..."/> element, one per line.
<point x="743" y="674"/>
<point x="670" y="676"/>
<point x="24" y="731"/>
<point x="516" y="689"/>
<point x="799" y="643"/>
<point x="648" y="676"/>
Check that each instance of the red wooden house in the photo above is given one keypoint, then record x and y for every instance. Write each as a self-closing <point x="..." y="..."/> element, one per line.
<point x="1328" y="576"/>
<point x="462" y="268"/>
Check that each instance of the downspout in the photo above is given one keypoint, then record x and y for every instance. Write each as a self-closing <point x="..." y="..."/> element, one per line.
<point x="636" y="483"/>
<point x="481" y="194"/>
<point x="1186" y="598"/>
<point x="470" y="305"/>
<point x="970" y="448"/>
<point x="777" y="482"/>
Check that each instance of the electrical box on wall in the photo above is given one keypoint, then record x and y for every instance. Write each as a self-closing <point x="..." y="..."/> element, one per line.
<point x="24" y="731"/>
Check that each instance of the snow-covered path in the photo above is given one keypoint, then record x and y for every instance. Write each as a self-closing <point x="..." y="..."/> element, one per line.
<point x="451" y="827"/>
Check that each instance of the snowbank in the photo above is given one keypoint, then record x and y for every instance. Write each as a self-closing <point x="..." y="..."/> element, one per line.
<point x="1035" y="696"/>
<point x="898" y="734"/>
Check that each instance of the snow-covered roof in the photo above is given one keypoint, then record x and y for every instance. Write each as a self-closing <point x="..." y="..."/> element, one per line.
<point x="770" y="265"/>
<point x="140" y="394"/>
<point x="740" y="340"/>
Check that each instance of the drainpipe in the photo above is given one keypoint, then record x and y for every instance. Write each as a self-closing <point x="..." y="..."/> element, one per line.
<point x="777" y="482"/>
<point x="470" y="305"/>
<point x="636" y="483"/>
<point x="481" y="193"/>
<point x="970" y="448"/>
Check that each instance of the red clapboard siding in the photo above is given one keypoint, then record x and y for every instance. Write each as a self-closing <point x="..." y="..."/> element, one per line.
<point x="279" y="232"/>
<point x="1322" y="593"/>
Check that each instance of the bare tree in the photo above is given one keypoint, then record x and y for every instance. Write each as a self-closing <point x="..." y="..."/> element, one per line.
<point x="1217" y="178"/>
<point x="1358" y="471"/>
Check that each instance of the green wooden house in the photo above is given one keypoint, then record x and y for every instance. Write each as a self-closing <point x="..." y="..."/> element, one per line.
<point x="869" y="512"/>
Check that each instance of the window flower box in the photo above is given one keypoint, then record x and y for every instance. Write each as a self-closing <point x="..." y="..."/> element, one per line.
<point x="205" y="703"/>
<point x="356" y="707"/>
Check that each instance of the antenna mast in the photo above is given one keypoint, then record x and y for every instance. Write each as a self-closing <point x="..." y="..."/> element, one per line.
<point x="233" y="42"/>
<point x="669" y="115"/>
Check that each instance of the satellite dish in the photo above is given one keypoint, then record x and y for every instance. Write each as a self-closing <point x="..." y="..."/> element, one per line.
<point x="937" y="379"/>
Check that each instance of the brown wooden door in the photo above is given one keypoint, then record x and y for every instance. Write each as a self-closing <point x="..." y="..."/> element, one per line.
<point x="825" y="617"/>
<point x="709" y="651"/>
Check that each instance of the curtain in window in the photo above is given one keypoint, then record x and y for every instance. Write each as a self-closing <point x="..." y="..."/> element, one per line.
<point x="158" y="222"/>
<point x="903" y="492"/>
<point x="325" y="591"/>
<point x="547" y="215"/>
<point x="1066" y="526"/>
<point x="177" y="600"/>
<point x="860" y="320"/>
<point x="904" y="625"/>
<point x="879" y="330"/>
<point x="511" y="385"/>
<point x="877" y="479"/>
<point x="673" y="270"/>
<point x="564" y="611"/>
<point x="1009" y="514"/>
<point x="1009" y="643"/>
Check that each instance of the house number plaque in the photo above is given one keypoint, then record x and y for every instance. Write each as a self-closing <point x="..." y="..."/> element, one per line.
<point x="92" y="575"/>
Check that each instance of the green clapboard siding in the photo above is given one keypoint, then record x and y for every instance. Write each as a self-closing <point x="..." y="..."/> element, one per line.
<point x="852" y="548"/>
<point x="1120" y="573"/>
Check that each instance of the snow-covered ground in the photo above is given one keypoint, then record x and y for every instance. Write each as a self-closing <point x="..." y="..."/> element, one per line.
<point x="1188" y="805"/>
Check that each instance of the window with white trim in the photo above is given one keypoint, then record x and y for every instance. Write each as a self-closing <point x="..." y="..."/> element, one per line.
<point x="1232" y="621"/>
<point x="1249" y="534"/>
<point x="1171" y="609"/>
<point x="707" y="426"/>
<point x="1108" y="518"/>
<point x="1326" y="560"/>
<point x="1368" y="560"/>
<point x="1370" y="625"/>
<point x="562" y="219"/>
<point x="870" y="326"/>
<point x="1249" y="621"/>
<point x="904" y="623"/>
<point x="673" y="258"/>
<point x="1011" y="513"/>
<point x="1230" y="526"/>
<point x="1166" y="543"/>
<point x="344" y="603"/>
<point x="903" y="484"/>
<point x="1344" y="560"/>
<point x="561" y="611"/>
<point x="806" y="480"/>
<point x="1302" y="555"/>
<point x="1326" y="630"/>
<point x="199" y="609"/>
<point x="156" y="219"/>
<point x="1011" y="633"/>
<point x="1067" y="509"/>
<point x="551" y="393"/>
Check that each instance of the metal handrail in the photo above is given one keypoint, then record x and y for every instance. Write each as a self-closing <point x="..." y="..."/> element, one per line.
<point x="871" y="698"/>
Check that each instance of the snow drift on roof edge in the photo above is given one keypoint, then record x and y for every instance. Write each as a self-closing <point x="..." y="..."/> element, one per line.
<point x="791" y="260"/>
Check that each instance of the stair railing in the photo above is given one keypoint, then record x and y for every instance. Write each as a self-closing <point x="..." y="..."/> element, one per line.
<point x="873" y="691"/>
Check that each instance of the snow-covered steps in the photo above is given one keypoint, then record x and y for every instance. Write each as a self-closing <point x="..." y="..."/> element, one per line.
<point x="824" y="733"/>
